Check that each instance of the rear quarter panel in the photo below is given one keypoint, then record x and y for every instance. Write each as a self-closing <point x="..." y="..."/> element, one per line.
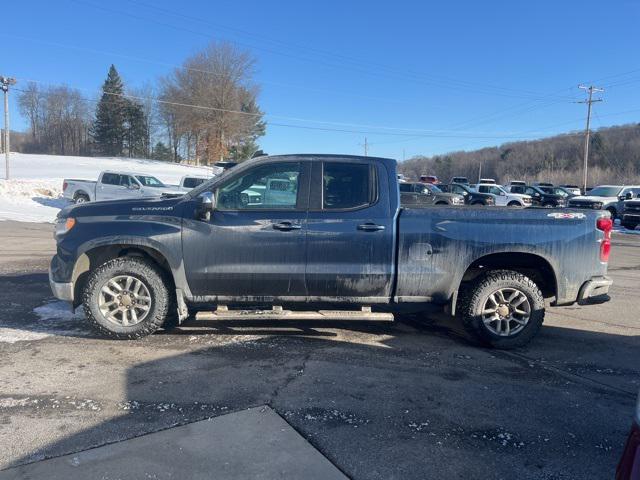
<point x="436" y="246"/>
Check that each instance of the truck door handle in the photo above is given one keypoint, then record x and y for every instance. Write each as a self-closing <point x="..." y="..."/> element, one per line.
<point x="370" y="227"/>
<point x="286" y="226"/>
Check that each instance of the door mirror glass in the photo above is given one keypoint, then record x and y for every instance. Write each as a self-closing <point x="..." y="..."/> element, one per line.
<point x="628" y="196"/>
<point x="208" y="201"/>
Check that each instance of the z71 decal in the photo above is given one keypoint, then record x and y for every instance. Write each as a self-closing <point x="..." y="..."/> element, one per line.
<point x="562" y="216"/>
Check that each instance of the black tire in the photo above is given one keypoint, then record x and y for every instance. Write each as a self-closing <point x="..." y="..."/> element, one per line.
<point x="629" y="226"/>
<point x="81" y="198"/>
<point x="513" y="204"/>
<point x="154" y="279"/>
<point x="474" y="296"/>
<point x="613" y="213"/>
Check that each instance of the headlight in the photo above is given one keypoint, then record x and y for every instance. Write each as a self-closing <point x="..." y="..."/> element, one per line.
<point x="457" y="201"/>
<point x="597" y="205"/>
<point x="63" y="225"/>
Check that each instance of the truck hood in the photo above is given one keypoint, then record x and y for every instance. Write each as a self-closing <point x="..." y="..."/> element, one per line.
<point x="142" y="206"/>
<point x="591" y="198"/>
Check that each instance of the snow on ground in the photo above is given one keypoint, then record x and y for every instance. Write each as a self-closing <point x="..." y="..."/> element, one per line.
<point x="34" y="193"/>
<point x="54" y="318"/>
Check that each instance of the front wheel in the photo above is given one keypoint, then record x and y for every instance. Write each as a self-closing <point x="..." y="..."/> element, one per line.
<point x="127" y="298"/>
<point x="81" y="198"/>
<point x="502" y="309"/>
<point x="513" y="204"/>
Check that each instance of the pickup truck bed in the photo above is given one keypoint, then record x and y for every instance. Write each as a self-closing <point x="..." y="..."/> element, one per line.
<point x="330" y="232"/>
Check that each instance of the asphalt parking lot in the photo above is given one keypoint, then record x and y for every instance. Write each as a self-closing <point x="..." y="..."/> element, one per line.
<point x="415" y="399"/>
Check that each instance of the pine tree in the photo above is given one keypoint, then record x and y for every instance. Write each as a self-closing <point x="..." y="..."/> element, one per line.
<point x="136" y="130"/>
<point x="109" y="129"/>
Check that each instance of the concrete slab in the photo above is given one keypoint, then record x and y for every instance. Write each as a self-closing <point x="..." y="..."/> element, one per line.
<point x="255" y="443"/>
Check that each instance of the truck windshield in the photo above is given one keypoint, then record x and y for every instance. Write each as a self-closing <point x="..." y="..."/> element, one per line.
<point x="433" y="188"/>
<point x="604" y="192"/>
<point x="149" y="181"/>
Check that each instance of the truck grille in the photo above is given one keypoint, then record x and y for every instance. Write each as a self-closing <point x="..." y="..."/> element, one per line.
<point x="632" y="208"/>
<point x="582" y="204"/>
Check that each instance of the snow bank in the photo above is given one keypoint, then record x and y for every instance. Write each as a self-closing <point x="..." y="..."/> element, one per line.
<point x="34" y="192"/>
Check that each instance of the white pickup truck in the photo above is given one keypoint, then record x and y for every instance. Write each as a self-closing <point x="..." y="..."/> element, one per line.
<point x="116" y="186"/>
<point x="504" y="198"/>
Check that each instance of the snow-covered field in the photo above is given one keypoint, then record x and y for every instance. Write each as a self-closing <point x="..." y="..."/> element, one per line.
<point x="34" y="193"/>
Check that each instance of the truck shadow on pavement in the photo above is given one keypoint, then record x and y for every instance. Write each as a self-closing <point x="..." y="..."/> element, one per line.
<point x="365" y="394"/>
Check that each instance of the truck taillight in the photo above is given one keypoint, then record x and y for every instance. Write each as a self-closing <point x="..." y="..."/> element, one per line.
<point x="64" y="186"/>
<point x="606" y="225"/>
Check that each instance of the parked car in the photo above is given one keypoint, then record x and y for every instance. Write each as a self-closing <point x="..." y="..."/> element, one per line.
<point x="416" y="194"/>
<point x="563" y="192"/>
<point x="518" y="183"/>
<point x="429" y="179"/>
<point x="471" y="197"/>
<point x="341" y="239"/>
<point x="574" y="189"/>
<point x="629" y="466"/>
<point x="189" y="182"/>
<point x="402" y="178"/>
<point x="115" y="186"/>
<point x="542" y="184"/>
<point x="606" y="197"/>
<point x="631" y="214"/>
<point x="539" y="197"/>
<point x="460" y="180"/>
<point x="504" y="198"/>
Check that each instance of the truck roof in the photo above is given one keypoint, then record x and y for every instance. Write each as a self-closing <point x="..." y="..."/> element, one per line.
<point x="320" y="156"/>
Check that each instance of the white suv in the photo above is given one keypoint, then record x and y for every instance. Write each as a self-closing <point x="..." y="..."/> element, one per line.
<point x="504" y="198"/>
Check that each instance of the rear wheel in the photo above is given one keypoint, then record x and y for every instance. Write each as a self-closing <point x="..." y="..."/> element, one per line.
<point x="502" y="309"/>
<point x="513" y="204"/>
<point x="81" y="198"/>
<point x="127" y="298"/>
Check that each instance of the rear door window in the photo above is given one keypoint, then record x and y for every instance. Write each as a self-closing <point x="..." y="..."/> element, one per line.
<point x="348" y="185"/>
<point x="110" y="179"/>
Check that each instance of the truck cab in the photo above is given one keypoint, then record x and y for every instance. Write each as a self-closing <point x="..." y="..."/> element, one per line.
<point x="329" y="232"/>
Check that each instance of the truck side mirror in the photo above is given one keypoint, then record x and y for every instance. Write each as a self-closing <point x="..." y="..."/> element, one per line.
<point x="207" y="205"/>
<point x="628" y="196"/>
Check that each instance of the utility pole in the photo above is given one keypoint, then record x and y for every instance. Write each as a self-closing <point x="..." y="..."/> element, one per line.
<point x="366" y="146"/>
<point x="589" y="89"/>
<point x="4" y="84"/>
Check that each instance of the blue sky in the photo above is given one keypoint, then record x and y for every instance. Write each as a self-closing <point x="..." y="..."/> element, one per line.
<point x="414" y="77"/>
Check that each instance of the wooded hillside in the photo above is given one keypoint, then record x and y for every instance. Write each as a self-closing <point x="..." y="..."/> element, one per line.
<point x="614" y="157"/>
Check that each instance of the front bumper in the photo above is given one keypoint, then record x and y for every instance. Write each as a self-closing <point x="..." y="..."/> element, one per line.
<point x="595" y="290"/>
<point x="62" y="291"/>
<point x="629" y="466"/>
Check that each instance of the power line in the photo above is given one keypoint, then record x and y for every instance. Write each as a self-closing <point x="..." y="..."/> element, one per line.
<point x="461" y="85"/>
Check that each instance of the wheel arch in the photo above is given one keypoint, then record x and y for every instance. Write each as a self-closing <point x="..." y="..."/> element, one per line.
<point x="532" y="265"/>
<point x="96" y="256"/>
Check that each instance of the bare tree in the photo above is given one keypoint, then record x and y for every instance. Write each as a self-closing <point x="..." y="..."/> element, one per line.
<point x="213" y="102"/>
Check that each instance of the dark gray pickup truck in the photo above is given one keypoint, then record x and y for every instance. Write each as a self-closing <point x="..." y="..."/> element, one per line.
<point x="302" y="233"/>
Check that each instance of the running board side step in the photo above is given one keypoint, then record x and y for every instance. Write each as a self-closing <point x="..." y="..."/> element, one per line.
<point x="277" y="313"/>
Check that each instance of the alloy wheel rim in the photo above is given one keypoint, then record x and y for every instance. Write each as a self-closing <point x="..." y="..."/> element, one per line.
<point x="506" y="311"/>
<point x="124" y="300"/>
